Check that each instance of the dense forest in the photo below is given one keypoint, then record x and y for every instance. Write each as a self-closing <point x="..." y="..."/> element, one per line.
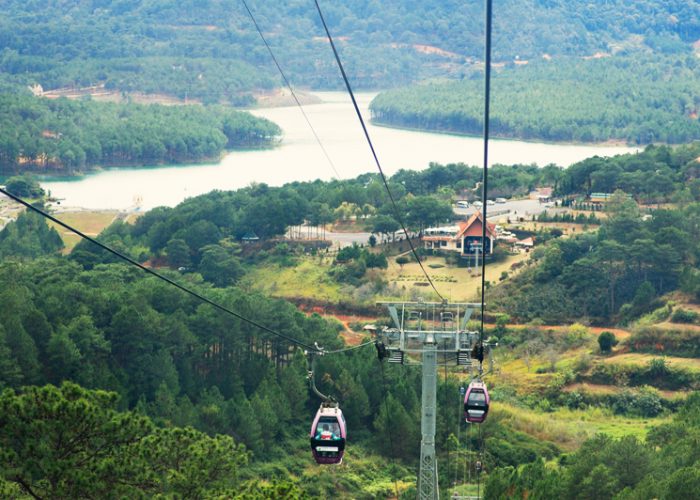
<point x="205" y="233"/>
<point x="665" y="466"/>
<point x="614" y="274"/>
<point x="656" y="175"/>
<point x="184" y="378"/>
<point x="182" y="363"/>
<point x="68" y="136"/>
<point x="617" y="273"/>
<point x="639" y="100"/>
<point x="210" y="51"/>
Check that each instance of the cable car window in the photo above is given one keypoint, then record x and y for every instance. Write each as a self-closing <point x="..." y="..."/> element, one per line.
<point x="328" y="428"/>
<point x="477" y="398"/>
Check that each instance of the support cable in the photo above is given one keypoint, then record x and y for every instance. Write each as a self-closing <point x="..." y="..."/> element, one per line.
<point x="289" y="86"/>
<point x="480" y="464"/>
<point x="484" y="183"/>
<point x="449" y="482"/>
<point x="351" y="348"/>
<point x="460" y="409"/>
<point x="371" y="147"/>
<point x="194" y="294"/>
<point x="391" y="435"/>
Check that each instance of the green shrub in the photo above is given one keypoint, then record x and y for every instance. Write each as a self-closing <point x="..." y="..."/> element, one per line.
<point x="684" y="316"/>
<point x="606" y="341"/>
<point x="402" y="260"/>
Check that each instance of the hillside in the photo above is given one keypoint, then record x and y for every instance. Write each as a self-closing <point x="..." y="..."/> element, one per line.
<point x="209" y="50"/>
<point x="67" y="137"/>
<point x="637" y="99"/>
<point x="185" y="382"/>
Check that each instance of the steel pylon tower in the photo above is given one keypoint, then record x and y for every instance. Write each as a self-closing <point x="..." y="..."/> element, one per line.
<point x="426" y="329"/>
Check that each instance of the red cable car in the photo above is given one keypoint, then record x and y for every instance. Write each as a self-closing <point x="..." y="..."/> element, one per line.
<point x="328" y="434"/>
<point x="476" y="402"/>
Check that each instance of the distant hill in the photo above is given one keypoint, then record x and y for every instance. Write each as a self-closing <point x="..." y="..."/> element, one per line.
<point x="634" y="98"/>
<point x="208" y="49"/>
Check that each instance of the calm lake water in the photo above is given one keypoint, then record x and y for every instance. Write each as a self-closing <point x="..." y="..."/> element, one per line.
<point x="300" y="158"/>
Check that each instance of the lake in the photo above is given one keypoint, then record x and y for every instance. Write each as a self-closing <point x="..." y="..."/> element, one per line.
<point x="300" y="158"/>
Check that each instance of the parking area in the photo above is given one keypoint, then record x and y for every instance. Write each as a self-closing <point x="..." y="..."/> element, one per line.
<point x="512" y="208"/>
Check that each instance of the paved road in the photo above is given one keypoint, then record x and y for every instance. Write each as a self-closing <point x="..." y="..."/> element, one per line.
<point x="347" y="239"/>
<point x="516" y="208"/>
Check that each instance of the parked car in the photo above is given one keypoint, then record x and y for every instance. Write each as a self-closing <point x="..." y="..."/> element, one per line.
<point x="500" y="200"/>
<point x="477" y="204"/>
<point x="462" y="204"/>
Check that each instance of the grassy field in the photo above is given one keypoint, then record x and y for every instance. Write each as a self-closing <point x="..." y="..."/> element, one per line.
<point x="606" y="390"/>
<point x="454" y="283"/>
<point x="89" y="222"/>
<point x="309" y="278"/>
<point x="569" y="428"/>
<point x="567" y="228"/>
<point x="635" y="358"/>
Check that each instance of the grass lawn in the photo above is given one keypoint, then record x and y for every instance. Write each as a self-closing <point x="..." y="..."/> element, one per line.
<point x="636" y="358"/>
<point x="454" y="283"/>
<point x="89" y="222"/>
<point x="566" y="227"/>
<point x="309" y="278"/>
<point x="601" y="389"/>
<point x="569" y="428"/>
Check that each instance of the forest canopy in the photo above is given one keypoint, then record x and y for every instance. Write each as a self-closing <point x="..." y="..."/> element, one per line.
<point x="68" y="136"/>
<point x="209" y="50"/>
<point x="633" y="99"/>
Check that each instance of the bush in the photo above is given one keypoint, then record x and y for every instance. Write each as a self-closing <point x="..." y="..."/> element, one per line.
<point x="645" y="403"/>
<point x="24" y="186"/>
<point x="684" y="316"/>
<point x="348" y="253"/>
<point x="606" y="341"/>
<point x="375" y="260"/>
<point x="402" y="260"/>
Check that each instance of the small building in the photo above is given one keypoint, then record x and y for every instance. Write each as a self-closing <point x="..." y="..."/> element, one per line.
<point x="463" y="238"/>
<point x="527" y="244"/>
<point x="250" y="238"/>
<point x="600" y="197"/>
<point x="542" y="194"/>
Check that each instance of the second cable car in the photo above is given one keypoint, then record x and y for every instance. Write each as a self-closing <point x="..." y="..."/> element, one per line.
<point x="328" y="433"/>
<point x="476" y="402"/>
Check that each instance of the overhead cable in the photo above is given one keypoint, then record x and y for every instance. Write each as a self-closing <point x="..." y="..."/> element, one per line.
<point x="484" y="184"/>
<point x="289" y="86"/>
<point x="351" y="348"/>
<point x="371" y="147"/>
<point x="162" y="277"/>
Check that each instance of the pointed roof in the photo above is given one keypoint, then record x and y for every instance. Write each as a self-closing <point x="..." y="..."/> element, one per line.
<point x="473" y="227"/>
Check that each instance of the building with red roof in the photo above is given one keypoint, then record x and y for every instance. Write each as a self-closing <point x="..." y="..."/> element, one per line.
<point x="464" y="238"/>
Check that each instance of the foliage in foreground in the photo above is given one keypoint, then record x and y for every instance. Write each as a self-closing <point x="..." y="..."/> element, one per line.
<point x="71" y="442"/>
<point x="665" y="466"/>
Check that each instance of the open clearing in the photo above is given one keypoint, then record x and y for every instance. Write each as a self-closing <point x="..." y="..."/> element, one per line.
<point x="605" y="390"/>
<point x="636" y="358"/>
<point x="308" y="278"/>
<point x="89" y="222"/>
<point x="569" y="428"/>
<point x="454" y="283"/>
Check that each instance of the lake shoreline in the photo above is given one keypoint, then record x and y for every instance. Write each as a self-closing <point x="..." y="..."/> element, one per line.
<point x="298" y="158"/>
<point x="612" y="143"/>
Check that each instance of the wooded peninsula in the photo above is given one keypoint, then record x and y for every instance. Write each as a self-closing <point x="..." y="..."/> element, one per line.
<point x="63" y="136"/>
<point x="638" y="100"/>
